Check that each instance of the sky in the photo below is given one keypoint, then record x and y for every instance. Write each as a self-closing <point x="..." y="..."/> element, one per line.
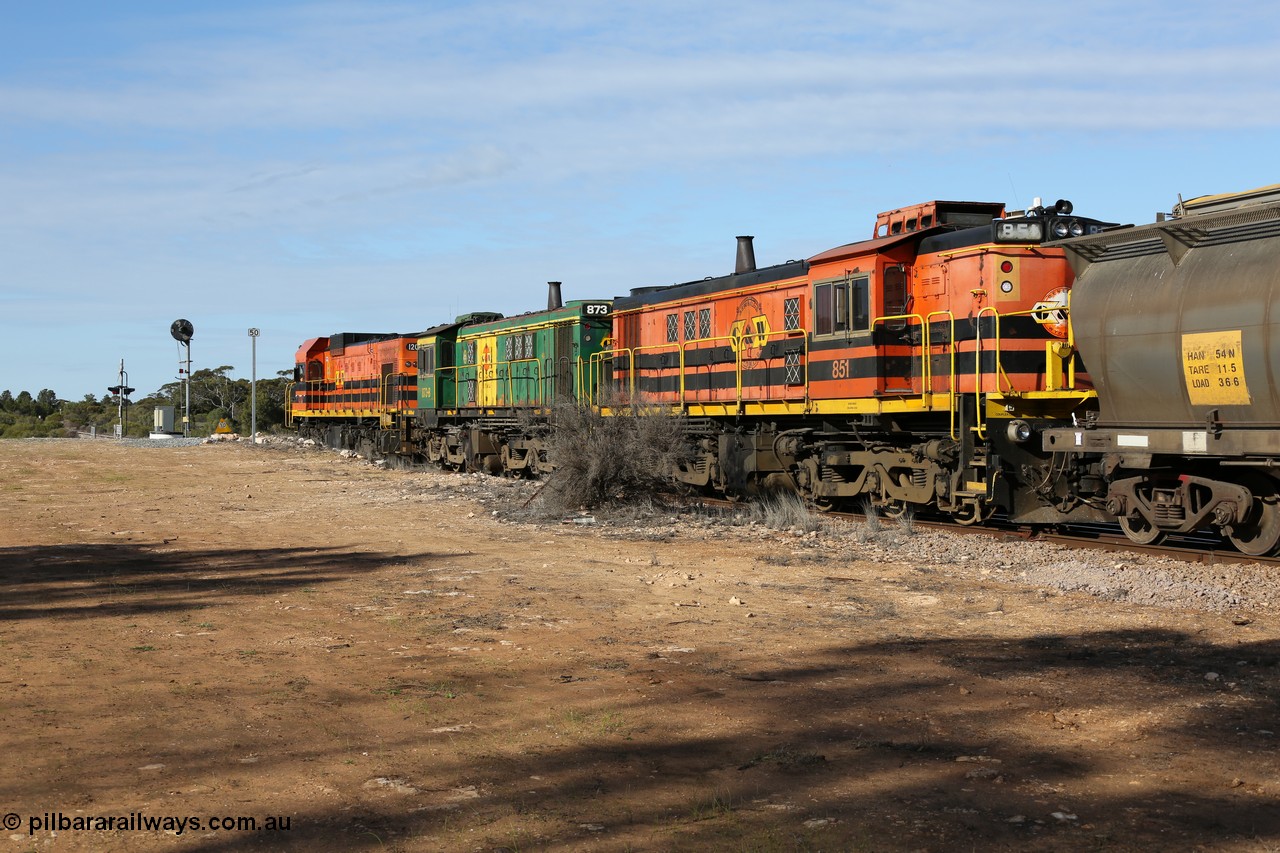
<point x="307" y="168"/>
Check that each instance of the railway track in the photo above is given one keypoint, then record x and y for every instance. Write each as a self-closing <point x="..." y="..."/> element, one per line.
<point x="1205" y="549"/>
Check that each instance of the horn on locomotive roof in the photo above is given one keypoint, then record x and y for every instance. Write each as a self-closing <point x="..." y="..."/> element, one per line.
<point x="553" y="296"/>
<point x="746" y="256"/>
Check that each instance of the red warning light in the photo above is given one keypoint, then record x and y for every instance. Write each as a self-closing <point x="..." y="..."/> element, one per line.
<point x="1006" y="266"/>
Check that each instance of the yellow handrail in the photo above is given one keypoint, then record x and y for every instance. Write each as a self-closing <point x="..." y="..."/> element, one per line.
<point x="951" y="372"/>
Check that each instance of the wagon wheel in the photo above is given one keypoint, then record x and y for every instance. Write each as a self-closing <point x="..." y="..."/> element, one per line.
<point x="1260" y="532"/>
<point x="1140" y="531"/>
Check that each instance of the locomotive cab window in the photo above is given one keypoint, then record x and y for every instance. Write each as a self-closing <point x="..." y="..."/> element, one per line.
<point x="842" y="306"/>
<point x="861" y="303"/>
<point x="426" y="360"/>
<point x="831" y="308"/>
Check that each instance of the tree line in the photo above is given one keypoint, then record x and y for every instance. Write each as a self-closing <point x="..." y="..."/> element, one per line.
<point x="215" y="396"/>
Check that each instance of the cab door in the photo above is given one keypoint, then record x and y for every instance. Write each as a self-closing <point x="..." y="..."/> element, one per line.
<point x="897" y="334"/>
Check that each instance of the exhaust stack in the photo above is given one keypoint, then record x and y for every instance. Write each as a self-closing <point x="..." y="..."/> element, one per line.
<point x="553" y="296"/>
<point x="746" y="256"/>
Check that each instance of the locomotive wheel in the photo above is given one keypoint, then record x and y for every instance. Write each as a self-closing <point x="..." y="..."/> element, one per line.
<point x="1140" y="531"/>
<point x="1260" y="533"/>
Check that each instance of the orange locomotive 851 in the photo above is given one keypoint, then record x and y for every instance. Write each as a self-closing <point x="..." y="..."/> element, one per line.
<point x="906" y="371"/>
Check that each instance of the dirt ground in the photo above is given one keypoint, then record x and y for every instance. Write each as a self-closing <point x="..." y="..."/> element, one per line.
<point x="375" y="659"/>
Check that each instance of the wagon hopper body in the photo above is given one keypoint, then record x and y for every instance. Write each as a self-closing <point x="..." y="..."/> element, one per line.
<point x="1179" y="323"/>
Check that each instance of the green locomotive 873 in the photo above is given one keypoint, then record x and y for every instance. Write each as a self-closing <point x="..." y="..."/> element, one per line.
<point x="486" y="381"/>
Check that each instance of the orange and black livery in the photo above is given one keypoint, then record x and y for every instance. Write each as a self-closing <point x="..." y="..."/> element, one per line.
<point x="351" y="379"/>
<point x="874" y="371"/>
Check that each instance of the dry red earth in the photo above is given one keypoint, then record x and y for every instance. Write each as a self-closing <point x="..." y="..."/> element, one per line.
<point x="247" y="631"/>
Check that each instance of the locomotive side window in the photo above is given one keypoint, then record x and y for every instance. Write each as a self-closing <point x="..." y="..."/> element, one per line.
<point x="426" y="360"/>
<point x="861" y="303"/>
<point x="822" y="309"/>
<point x="673" y="328"/>
<point x="831" y="307"/>
<point x="690" y="325"/>
<point x="704" y="323"/>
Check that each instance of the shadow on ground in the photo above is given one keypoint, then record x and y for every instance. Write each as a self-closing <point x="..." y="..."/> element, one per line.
<point x="112" y="580"/>
<point x="859" y="747"/>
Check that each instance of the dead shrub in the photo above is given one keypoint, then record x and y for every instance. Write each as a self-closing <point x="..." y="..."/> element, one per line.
<point x="614" y="459"/>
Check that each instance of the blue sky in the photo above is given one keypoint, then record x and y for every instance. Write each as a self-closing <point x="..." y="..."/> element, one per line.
<point x="315" y="167"/>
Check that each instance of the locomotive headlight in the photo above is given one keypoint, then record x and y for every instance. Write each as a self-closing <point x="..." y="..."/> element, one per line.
<point x="1060" y="229"/>
<point x="1077" y="228"/>
<point x="1019" y="431"/>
